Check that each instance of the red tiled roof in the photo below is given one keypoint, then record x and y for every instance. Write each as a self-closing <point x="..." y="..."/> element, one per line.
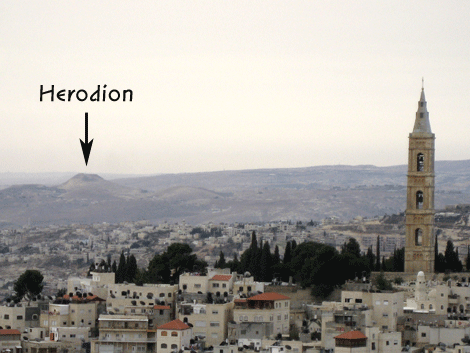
<point x="162" y="307"/>
<point x="10" y="332"/>
<point x="352" y="335"/>
<point x="240" y="300"/>
<point x="269" y="296"/>
<point x="88" y="298"/>
<point x="221" y="278"/>
<point x="174" y="325"/>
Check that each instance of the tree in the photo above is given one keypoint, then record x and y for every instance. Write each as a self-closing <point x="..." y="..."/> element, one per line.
<point x="167" y="267"/>
<point x="452" y="262"/>
<point x="221" y="262"/>
<point x="382" y="283"/>
<point x="266" y="274"/>
<point x="29" y="284"/>
<point x="467" y="262"/>
<point x="131" y="268"/>
<point x="370" y="258"/>
<point x="121" y="269"/>
<point x="377" y="255"/>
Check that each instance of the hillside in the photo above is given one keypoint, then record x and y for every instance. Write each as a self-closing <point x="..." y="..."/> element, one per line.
<point x="228" y="196"/>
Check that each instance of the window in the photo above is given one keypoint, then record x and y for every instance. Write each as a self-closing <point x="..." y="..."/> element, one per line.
<point x="421" y="115"/>
<point x="423" y="334"/>
<point x="19" y="317"/>
<point x="215" y="324"/>
<point x="385" y="302"/>
<point x="245" y="318"/>
<point x="249" y="288"/>
<point x="420" y="161"/>
<point x="164" y="333"/>
<point x="372" y="347"/>
<point x="203" y="323"/>
<point x="385" y="314"/>
<point x="442" y="307"/>
<point x="6" y="317"/>
<point x="224" y="285"/>
<point x="169" y="295"/>
<point x="243" y="332"/>
<point x="197" y="285"/>
<point x="419" y="200"/>
<point x="174" y="334"/>
<point x="387" y="343"/>
<point x="279" y="318"/>
<point x="347" y="300"/>
<point x="215" y="285"/>
<point x="174" y="346"/>
<point x="45" y="322"/>
<point x="358" y="300"/>
<point x="271" y="318"/>
<point x="418" y="237"/>
<point x="422" y="306"/>
<point x="73" y="323"/>
<point x="384" y="327"/>
<point x="163" y="345"/>
<point x="72" y="335"/>
<point x="215" y="312"/>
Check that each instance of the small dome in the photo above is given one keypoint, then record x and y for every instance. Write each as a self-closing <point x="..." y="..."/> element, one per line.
<point x="420" y="274"/>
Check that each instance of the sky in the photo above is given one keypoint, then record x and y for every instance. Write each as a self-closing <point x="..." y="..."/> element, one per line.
<point x="230" y="85"/>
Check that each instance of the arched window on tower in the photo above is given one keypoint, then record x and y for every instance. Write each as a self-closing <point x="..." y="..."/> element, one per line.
<point x="418" y="237"/>
<point x="419" y="200"/>
<point x="420" y="160"/>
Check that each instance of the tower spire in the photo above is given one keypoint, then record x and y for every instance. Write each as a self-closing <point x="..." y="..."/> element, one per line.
<point x="422" y="124"/>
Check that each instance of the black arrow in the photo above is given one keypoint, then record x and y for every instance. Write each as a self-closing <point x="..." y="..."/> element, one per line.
<point x="86" y="146"/>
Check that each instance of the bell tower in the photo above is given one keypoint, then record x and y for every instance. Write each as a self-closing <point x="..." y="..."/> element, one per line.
<point x="419" y="215"/>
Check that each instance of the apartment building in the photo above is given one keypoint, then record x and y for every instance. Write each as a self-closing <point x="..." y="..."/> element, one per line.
<point x="271" y="308"/>
<point x="10" y="341"/>
<point x="19" y="316"/>
<point x="122" y="333"/>
<point x="209" y="320"/>
<point x="173" y="336"/>
<point x="386" y="306"/>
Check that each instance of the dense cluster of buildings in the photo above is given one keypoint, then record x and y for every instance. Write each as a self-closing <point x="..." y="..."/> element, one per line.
<point x="225" y="312"/>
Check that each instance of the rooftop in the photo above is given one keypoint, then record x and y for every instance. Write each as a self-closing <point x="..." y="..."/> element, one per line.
<point x="352" y="335"/>
<point x="174" y="325"/>
<point x="269" y="296"/>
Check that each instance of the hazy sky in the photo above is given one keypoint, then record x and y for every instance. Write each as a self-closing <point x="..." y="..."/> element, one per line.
<point x="231" y="84"/>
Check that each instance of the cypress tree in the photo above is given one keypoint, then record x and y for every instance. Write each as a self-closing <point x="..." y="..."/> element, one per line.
<point x="253" y="267"/>
<point x="131" y="268"/>
<point x="276" y="257"/>
<point x="467" y="262"/>
<point x="377" y="265"/>
<point x="266" y="264"/>
<point x="120" y="273"/>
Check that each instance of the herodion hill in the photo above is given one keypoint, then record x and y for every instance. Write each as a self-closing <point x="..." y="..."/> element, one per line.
<point x="99" y="95"/>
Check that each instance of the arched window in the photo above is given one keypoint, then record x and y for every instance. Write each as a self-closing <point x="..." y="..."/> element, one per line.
<point x="419" y="200"/>
<point x="420" y="162"/>
<point x="422" y="306"/>
<point x="174" y="334"/>
<point x="174" y="346"/>
<point x="418" y="237"/>
<point x="164" y="333"/>
<point x="163" y="345"/>
<point x="185" y="320"/>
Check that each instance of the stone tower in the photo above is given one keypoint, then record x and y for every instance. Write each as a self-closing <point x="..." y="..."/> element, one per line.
<point x="419" y="215"/>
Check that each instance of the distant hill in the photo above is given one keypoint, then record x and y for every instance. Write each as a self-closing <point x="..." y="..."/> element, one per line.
<point x="227" y="196"/>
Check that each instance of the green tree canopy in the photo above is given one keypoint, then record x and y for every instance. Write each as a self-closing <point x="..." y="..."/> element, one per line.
<point x="168" y="266"/>
<point x="29" y="284"/>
